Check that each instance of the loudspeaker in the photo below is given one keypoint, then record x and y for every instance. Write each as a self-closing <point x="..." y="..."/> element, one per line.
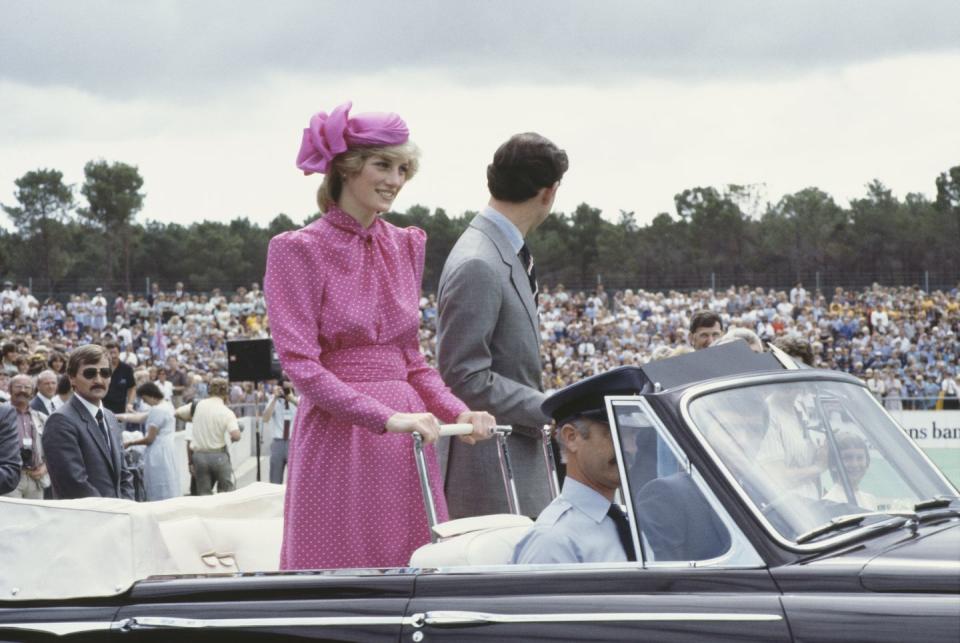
<point x="252" y="360"/>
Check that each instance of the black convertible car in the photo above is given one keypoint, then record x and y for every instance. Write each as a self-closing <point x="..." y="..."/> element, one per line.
<point x="767" y="503"/>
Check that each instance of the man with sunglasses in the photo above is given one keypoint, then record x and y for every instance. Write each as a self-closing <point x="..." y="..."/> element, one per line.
<point x="82" y="440"/>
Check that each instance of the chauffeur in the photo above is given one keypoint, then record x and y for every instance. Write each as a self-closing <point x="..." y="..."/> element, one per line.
<point x="582" y="525"/>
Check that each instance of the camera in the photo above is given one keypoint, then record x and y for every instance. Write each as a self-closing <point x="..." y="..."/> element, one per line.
<point x="26" y="456"/>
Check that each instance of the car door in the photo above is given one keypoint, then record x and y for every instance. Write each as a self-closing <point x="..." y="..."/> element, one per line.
<point x="699" y="578"/>
<point x="362" y="605"/>
<point x="591" y="602"/>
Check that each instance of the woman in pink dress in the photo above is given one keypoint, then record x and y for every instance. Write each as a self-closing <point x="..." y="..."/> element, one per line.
<point x="342" y="297"/>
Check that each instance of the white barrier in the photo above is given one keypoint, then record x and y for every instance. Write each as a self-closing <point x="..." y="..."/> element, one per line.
<point x="931" y="429"/>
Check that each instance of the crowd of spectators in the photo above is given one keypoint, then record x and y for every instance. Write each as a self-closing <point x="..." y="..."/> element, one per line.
<point x="175" y="339"/>
<point x="901" y="340"/>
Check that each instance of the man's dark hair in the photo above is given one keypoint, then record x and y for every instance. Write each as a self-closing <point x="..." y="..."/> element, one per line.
<point x="63" y="385"/>
<point x="83" y="355"/>
<point x="111" y="344"/>
<point x="704" y="319"/>
<point x="149" y="389"/>
<point x="523" y="166"/>
<point x="9" y="347"/>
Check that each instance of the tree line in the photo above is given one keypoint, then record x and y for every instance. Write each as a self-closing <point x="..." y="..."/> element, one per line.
<point x="715" y="237"/>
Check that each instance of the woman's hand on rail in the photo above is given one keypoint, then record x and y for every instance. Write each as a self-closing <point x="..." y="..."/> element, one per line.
<point x="423" y="423"/>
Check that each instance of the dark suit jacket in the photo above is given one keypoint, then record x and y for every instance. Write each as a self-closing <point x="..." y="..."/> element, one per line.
<point x="679" y="523"/>
<point x="78" y="459"/>
<point x="9" y="449"/>
<point x="38" y="405"/>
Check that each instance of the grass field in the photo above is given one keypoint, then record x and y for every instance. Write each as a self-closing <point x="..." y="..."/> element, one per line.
<point x="949" y="462"/>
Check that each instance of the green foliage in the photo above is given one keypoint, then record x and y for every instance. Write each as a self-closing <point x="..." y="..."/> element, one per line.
<point x="45" y="204"/>
<point x="726" y="233"/>
<point x="114" y="198"/>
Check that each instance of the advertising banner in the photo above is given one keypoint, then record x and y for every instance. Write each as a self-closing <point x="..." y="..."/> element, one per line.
<point x="938" y="434"/>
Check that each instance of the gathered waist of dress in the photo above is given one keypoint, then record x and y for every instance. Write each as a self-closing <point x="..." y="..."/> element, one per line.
<point x="374" y="363"/>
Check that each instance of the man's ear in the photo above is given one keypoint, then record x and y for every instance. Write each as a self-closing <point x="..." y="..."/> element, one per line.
<point x="568" y="437"/>
<point x="547" y="194"/>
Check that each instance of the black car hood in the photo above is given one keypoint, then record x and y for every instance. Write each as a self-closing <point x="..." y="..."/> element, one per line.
<point x="929" y="562"/>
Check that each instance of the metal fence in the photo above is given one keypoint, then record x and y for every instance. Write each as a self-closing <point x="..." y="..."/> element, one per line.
<point x="825" y="282"/>
<point x="918" y="403"/>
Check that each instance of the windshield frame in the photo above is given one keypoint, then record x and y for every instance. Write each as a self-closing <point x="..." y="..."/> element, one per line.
<point x="700" y="390"/>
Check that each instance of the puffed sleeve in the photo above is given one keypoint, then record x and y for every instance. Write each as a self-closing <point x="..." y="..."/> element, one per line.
<point x="425" y="380"/>
<point x="293" y="308"/>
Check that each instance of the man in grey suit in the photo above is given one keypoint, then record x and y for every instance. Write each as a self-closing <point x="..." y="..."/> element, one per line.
<point x="488" y="331"/>
<point x="82" y="440"/>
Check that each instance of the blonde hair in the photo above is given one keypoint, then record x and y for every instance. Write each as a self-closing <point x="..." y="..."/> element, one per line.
<point x="219" y="387"/>
<point x="350" y="163"/>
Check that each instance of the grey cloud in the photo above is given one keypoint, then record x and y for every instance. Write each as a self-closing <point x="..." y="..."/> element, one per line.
<point x="182" y="48"/>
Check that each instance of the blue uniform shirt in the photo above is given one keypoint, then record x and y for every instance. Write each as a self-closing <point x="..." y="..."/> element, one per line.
<point x="574" y="528"/>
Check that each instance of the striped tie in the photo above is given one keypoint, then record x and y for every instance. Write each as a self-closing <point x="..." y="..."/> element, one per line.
<point x="527" y="260"/>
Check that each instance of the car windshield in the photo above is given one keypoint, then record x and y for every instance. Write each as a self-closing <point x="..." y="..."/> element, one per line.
<point x="805" y="453"/>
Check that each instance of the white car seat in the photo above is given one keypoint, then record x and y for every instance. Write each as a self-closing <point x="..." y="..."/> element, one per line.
<point x="478" y="540"/>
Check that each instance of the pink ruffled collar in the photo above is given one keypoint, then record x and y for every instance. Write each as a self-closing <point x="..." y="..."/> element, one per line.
<point x="337" y="217"/>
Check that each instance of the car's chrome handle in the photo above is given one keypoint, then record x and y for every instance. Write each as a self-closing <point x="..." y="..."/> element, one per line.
<point x="159" y="622"/>
<point x="457" y="617"/>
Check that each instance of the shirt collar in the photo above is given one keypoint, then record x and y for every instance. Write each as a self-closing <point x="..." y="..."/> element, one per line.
<point x="590" y="502"/>
<point x="506" y="226"/>
<point x="91" y="408"/>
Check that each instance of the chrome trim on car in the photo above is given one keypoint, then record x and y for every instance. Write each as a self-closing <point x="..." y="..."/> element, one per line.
<point x="164" y="622"/>
<point x="744" y="381"/>
<point x="172" y="622"/>
<point x="610" y="401"/>
<point x="63" y="628"/>
<point x="457" y="617"/>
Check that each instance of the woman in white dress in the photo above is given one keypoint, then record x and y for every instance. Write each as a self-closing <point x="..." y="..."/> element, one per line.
<point x="160" y="467"/>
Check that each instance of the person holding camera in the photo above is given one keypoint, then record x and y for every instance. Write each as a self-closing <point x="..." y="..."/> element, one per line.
<point x="32" y="476"/>
<point x="278" y="417"/>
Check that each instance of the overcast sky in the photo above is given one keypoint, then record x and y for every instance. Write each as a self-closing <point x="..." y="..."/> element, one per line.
<point x="209" y="98"/>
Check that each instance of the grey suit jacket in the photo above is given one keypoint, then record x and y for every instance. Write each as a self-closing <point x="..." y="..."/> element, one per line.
<point x="10" y="462"/>
<point x="488" y="352"/>
<point x="79" y="461"/>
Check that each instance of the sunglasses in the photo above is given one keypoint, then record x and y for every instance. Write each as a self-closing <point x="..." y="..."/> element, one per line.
<point x="90" y="373"/>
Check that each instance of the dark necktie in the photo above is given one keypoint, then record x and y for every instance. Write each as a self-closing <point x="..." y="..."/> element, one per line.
<point x="527" y="260"/>
<point x="623" y="530"/>
<point x="286" y="420"/>
<point x="103" y="427"/>
<point x="50" y="407"/>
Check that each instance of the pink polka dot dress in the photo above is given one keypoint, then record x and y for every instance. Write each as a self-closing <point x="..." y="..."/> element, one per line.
<point x="344" y="316"/>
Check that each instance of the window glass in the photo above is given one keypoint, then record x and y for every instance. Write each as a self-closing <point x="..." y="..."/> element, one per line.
<point x="805" y="453"/>
<point x="677" y="518"/>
